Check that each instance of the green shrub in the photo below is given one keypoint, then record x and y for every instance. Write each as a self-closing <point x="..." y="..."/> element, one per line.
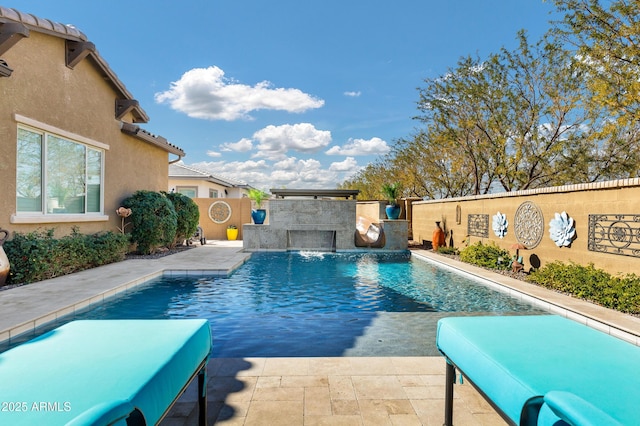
<point x="38" y="256"/>
<point x="448" y="250"/>
<point x="188" y="216"/>
<point x="485" y="255"/>
<point x="589" y="283"/>
<point x="154" y="220"/>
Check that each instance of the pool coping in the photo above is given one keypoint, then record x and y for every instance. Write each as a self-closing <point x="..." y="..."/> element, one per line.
<point x="609" y="321"/>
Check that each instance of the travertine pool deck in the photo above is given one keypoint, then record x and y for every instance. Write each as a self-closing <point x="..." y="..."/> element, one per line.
<point x="297" y="391"/>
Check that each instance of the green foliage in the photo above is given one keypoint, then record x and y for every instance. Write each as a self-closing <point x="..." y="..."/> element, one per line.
<point x="154" y="220"/>
<point x="589" y="283"/>
<point x="38" y="256"/>
<point x="188" y="216"/>
<point x="485" y="255"/>
<point x="560" y="110"/>
<point x="448" y="250"/>
<point x="391" y="192"/>
<point x="258" y="196"/>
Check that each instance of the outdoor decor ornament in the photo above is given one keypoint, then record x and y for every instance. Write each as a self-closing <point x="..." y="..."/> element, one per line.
<point x="562" y="229"/>
<point x="4" y="260"/>
<point x="123" y="212"/>
<point x="500" y="224"/>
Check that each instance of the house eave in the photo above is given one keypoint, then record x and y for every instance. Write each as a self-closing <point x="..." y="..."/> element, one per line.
<point x="141" y="134"/>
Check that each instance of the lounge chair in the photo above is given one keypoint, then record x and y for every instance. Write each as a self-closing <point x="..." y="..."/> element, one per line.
<point x="104" y="372"/>
<point x="543" y="369"/>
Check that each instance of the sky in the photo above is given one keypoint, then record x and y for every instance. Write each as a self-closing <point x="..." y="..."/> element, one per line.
<point x="288" y="93"/>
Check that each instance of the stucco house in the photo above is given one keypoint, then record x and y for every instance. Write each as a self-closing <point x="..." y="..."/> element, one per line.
<point x="71" y="145"/>
<point x="196" y="183"/>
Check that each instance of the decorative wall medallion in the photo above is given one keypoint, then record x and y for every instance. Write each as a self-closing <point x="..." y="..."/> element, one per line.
<point x="500" y="224"/>
<point x="478" y="225"/>
<point x="562" y="230"/>
<point x="220" y="211"/>
<point x="615" y="234"/>
<point x="528" y="224"/>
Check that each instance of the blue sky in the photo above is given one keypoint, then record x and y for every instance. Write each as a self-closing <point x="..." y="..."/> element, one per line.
<point x="288" y="93"/>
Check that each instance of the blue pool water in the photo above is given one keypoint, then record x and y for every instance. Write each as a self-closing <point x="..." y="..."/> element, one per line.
<point x="316" y="304"/>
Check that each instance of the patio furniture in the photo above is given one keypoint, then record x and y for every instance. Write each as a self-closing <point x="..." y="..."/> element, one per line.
<point x="538" y="370"/>
<point x="103" y="372"/>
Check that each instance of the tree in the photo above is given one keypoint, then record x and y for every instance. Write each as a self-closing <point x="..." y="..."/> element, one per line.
<point x="607" y="42"/>
<point x="606" y="45"/>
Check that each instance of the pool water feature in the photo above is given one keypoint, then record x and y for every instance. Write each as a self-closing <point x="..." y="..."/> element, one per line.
<point x="316" y="304"/>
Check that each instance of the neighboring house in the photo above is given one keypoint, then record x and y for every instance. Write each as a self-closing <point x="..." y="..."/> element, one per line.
<point x="196" y="183"/>
<point x="70" y="146"/>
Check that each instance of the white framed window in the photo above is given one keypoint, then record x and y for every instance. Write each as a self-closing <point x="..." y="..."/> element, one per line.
<point x="213" y="193"/>
<point x="57" y="175"/>
<point x="189" y="191"/>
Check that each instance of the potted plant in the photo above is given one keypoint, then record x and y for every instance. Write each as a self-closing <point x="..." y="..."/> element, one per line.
<point x="257" y="196"/>
<point x="232" y="232"/>
<point x="391" y="192"/>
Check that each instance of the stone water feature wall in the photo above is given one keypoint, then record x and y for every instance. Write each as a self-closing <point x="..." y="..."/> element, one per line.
<point x="315" y="224"/>
<point x="298" y="224"/>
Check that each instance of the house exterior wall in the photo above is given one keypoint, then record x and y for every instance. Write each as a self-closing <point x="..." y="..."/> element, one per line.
<point x="611" y="199"/>
<point x="201" y="186"/>
<point x="78" y="101"/>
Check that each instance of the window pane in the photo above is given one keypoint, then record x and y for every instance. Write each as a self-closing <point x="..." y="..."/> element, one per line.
<point x="189" y="192"/>
<point x="65" y="176"/>
<point x="94" y="180"/>
<point x="29" y="171"/>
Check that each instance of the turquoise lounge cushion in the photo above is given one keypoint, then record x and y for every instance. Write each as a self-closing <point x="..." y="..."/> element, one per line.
<point x="575" y="411"/>
<point x="91" y="370"/>
<point x="515" y="358"/>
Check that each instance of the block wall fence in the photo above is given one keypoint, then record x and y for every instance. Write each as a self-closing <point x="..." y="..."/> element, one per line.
<point x="606" y="218"/>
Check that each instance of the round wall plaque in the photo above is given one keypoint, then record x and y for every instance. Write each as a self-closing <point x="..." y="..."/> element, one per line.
<point x="528" y="224"/>
<point x="220" y="211"/>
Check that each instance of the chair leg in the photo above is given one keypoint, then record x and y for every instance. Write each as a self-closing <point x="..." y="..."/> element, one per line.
<point x="202" y="397"/>
<point x="448" y="398"/>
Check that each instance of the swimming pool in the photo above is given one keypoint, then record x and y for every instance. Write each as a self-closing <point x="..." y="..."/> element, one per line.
<point x="316" y="304"/>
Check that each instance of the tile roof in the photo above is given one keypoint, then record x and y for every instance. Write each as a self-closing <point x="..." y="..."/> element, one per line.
<point x="69" y="32"/>
<point x="179" y="170"/>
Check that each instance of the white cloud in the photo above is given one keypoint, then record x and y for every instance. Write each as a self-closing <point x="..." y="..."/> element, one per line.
<point x="353" y="94"/>
<point x="207" y="94"/>
<point x="348" y="165"/>
<point x="214" y="154"/>
<point x="289" y="172"/>
<point x="243" y="145"/>
<point x="360" y="147"/>
<point x="275" y="141"/>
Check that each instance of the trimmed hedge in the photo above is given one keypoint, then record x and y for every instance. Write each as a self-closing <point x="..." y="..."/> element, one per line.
<point x="154" y="220"/>
<point x="38" y="256"/>
<point x="188" y="216"/>
<point x="595" y="285"/>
